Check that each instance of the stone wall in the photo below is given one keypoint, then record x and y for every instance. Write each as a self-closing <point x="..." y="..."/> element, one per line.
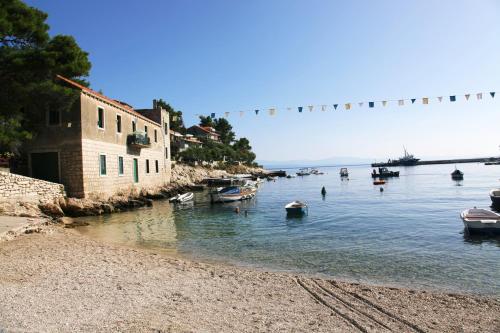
<point x="20" y="188"/>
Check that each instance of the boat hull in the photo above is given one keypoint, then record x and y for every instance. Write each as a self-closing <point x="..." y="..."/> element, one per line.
<point x="296" y="211"/>
<point x="495" y="200"/>
<point x="487" y="224"/>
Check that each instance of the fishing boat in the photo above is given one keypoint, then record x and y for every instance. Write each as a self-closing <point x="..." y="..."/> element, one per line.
<point x="406" y="160"/>
<point x="495" y="197"/>
<point x="296" y="208"/>
<point x="182" y="197"/>
<point x="233" y="193"/>
<point x="481" y="220"/>
<point x="457" y="175"/>
<point x="384" y="173"/>
<point x="316" y="172"/>
<point x="290" y="176"/>
<point x="344" y="172"/>
<point x="379" y="182"/>
<point x="303" y="172"/>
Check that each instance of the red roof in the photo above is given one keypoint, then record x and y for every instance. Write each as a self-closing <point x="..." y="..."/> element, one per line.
<point x="210" y="130"/>
<point x="120" y="105"/>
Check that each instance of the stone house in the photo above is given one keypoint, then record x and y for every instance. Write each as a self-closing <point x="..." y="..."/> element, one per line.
<point x="204" y="132"/>
<point x="183" y="142"/>
<point x="101" y="146"/>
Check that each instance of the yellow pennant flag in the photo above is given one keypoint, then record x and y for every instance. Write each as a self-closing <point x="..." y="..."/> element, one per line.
<point x="401" y="102"/>
<point x="425" y="100"/>
<point x="479" y="96"/>
<point x="348" y="106"/>
<point x="467" y="97"/>
<point x="384" y="103"/>
<point x="311" y="108"/>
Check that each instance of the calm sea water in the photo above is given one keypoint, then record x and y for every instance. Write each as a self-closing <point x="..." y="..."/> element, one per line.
<point x="409" y="235"/>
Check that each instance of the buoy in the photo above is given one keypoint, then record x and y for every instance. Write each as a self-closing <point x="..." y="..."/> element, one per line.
<point x="323" y="191"/>
<point x="381" y="189"/>
<point x="237" y="210"/>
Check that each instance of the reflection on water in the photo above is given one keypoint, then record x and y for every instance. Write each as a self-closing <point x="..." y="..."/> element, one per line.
<point x="410" y="234"/>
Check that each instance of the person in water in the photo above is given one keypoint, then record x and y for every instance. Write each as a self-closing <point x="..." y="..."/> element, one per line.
<point x="323" y="191"/>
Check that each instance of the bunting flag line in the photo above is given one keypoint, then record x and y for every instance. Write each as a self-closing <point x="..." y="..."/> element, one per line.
<point x="348" y="106"/>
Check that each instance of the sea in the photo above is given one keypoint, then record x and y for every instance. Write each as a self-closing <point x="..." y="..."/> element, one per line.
<point x="408" y="235"/>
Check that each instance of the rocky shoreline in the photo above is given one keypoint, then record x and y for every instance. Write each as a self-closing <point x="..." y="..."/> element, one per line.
<point x="184" y="178"/>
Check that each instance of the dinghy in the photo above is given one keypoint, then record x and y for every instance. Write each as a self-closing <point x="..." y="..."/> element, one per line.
<point x="296" y="208"/>
<point x="481" y="220"/>
<point x="495" y="197"/>
<point x="457" y="175"/>
<point x="233" y="193"/>
<point x="182" y="197"/>
<point x="344" y="172"/>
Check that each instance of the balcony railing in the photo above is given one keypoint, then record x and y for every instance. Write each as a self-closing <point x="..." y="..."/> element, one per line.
<point x="139" y="139"/>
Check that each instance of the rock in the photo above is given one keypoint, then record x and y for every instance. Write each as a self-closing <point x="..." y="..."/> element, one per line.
<point x="68" y="222"/>
<point x="107" y="208"/>
<point x="148" y="202"/>
<point x="65" y="220"/>
<point x="73" y="207"/>
<point x="51" y="209"/>
<point x="135" y="203"/>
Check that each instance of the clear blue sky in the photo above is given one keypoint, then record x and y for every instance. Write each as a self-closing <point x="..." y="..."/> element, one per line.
<point x="217" y="56"/>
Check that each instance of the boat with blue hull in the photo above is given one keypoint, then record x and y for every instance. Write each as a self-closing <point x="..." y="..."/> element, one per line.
<point x="296" y="208"/>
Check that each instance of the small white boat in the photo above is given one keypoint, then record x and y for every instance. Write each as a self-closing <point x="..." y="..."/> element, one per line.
<point x="296" y="208"/>
<point x="182" y="197"/>
<point x="234" y="193"/>
<point x="481" y="220"/>
<point x="303" y="172"/>
<point x="344" y="172"/>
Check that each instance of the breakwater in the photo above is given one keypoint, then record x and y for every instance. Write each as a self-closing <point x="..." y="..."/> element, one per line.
<point x="447" y="161"/>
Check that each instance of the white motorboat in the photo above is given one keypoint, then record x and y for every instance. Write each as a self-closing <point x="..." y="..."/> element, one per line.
<point x="344" y="172"/>
<point x="481" y="220"/>
<point x="234" y="193"/>
<point x="182" y="197"/>
<point x="296" y="208"/>
<point x="303" y="172"/>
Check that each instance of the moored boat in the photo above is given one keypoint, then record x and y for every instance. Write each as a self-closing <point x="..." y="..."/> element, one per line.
<point x="495" y="197"/>
<point x="296" y="208"/>
<point x="384" y="173"/>
<point x="481" y="220"/>
<point x="303" y="172"/>
<point x="233" y="193"/>
<point x="344" y="172"/>
<point x="182" y="197"/>
<point x="457" y="175"/>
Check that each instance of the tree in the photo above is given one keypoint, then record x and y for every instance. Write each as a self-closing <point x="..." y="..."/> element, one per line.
<point x="29" y="62"/>
<point x="176" y="121"/>
<point x="206" y="121"/>
<point x="222" y="126"/>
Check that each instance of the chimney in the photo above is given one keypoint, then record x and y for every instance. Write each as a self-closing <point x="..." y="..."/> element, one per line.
<point x="155" y="104"/>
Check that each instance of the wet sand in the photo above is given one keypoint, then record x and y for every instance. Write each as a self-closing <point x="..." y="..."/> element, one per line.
<point x="61" y="281"/>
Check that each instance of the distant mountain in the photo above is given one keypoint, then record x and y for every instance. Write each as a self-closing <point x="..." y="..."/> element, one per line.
<point x="339" y="160"/>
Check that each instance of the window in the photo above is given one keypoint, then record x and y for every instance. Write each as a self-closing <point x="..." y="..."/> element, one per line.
<point x="54" y="118"/>
<point x="156" y="136"/>
<point x="146" y="130"/>
<point x="166" y="153"/>
<point x="102" y="165"/>
<point x="120" y="165"/>
<point x="118" y="123"/>
<point x="156" y="166"/>
<point x="100" y="117"/>
<point x="165" y="125"/>
<point x="147" y="166"/>
<point x="134" y="126"/>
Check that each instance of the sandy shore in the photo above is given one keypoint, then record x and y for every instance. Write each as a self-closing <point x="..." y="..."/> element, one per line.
<point x="61" y="281"/>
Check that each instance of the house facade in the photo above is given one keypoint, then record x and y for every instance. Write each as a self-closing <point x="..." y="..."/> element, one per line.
<point x="183" y="142"/>
<point x="204" y="132"/>
<point x="102" y="146"/>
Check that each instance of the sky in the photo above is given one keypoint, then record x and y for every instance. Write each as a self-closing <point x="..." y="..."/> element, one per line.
<point x="220" y="56"/>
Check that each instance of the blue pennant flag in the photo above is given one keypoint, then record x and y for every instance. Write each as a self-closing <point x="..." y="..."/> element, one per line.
<point x="453" y="98"/>
<point x="300" y="108"/>
<point x="335" y="106"/>
<point x="492" y="94"/>
<point x="413" y="100"/>
<point x="212" y="115"/>
<point x="256" y="111"/>
<point x="371" y="104"/>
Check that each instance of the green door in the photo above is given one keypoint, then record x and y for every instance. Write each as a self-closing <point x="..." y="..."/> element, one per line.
<point x="136" y="171"/>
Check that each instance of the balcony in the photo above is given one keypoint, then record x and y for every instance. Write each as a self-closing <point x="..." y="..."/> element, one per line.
<point x="138" y="140"/>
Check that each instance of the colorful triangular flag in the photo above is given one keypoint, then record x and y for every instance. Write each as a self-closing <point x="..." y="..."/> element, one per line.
<point x="479" y="96"/>
<point x="440" y="99"/>
<point x="311" y="108"/>
<point x="256" y="112"/>
<point x="492" y="94"/>
<point x="289" y="109"/>
<point x="413" y="100"/>
<point x="401" y="102"/>
<point x="371" y="104"/>
<point x="348" y="106"/>
<point x="300" y="108"/>
<point x="335" y="106"/>
<point x="360" y="104"/>
<point x="212" y="115"/>
<point x="467" y="96"/>
<point x="425" y="100"/>
<point x="384" y="103"/>
<point x="226" y="114"/>
<point x="453" y="98"/>
<point x="272" y="111"/>
<point x="323" y="107"/>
